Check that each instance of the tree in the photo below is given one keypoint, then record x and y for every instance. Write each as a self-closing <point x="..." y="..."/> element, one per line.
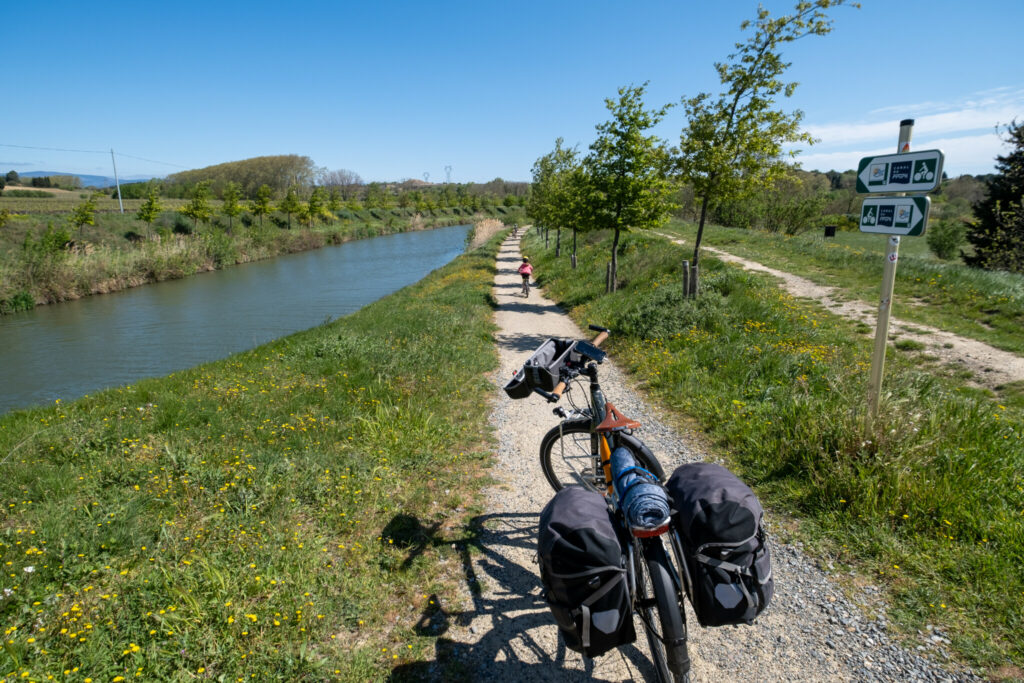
<point x="231" y="207"/>
<point x="85" y="213"/>
<point x="347" y="182"/>
<point x="376" y="197"/>
<point x="290" y="205"/>
<point x="629" y="186"/>
<point x="334" y="202"/>
<point x="732" y="146"/>
<point x="558" y="196"/>
<point x="315" y="206"/>
<point x="261" y="206"/>
<point x="12" y="178"/>
<point x="199" y="208"/>
<point x="997" y="233"/>
<point x="150" y="209"/>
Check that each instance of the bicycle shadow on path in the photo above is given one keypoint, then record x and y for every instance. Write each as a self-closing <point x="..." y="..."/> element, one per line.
<point x="516" y="644"/>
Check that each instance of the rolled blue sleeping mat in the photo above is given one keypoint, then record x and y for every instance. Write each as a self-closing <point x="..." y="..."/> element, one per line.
<point x="642" y="500"/>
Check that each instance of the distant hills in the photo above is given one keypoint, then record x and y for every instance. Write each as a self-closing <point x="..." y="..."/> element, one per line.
<point x="87" y="180"/>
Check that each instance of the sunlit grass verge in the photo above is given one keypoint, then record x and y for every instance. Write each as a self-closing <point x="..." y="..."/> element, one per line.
<point x="927" y="502"/>
<point x="983" y="305"/>
<point x="289" y="513"/>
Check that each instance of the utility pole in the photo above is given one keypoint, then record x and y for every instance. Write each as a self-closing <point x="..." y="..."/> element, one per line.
<point x="116" y="181"/>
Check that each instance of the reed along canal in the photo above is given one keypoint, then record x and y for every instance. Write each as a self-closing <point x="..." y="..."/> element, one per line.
<point x="71" y="349"/>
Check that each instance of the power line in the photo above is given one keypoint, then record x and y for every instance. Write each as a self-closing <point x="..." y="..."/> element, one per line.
<point x="94" y="151"/>
<point x="152" y="161"/>
<point x="58" y="149"/>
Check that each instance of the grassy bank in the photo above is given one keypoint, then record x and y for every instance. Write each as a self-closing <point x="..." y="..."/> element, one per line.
<point x="121" y="252"/>
<point x="983" y="305"/>
<point x="288" y="513"/>
<point x="927" y="502"/>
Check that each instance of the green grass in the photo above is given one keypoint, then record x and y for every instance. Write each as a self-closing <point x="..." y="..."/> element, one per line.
<point x="982" y="305"/>
<point x="264" y="517"/>
<point x="927" y="501"/>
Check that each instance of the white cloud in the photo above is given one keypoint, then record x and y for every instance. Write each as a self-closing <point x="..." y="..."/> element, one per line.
<point x="972" y="154"/>
<point x="965" y="129"/>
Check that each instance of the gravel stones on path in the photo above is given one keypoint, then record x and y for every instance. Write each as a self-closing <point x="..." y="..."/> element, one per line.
<point x="810" y="632"/>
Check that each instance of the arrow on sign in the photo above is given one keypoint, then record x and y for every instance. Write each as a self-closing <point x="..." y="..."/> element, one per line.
<point x="895" y="215"/>
<point x="910" y="172"/>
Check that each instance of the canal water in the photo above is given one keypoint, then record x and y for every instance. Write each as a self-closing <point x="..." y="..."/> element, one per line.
<point x="71" y="349"/>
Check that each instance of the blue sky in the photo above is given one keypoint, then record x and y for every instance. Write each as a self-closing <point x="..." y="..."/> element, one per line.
<point x="395" y="90"/>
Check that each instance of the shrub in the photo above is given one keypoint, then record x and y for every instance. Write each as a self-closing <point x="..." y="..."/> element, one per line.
<point x="945" y="237"/>
<point x="181" y="225"/>
<point x="21" y="301"/>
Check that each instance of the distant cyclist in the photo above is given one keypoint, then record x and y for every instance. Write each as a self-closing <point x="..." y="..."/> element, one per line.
<point x="515" y="229"/>
<point x="526" y="270"/>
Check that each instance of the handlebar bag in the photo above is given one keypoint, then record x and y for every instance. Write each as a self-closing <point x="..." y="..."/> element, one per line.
<point x="517" y="386"/>
<point x="727" y="566"/>
<point x="583" y="570"/>
<point x="543" y="366"/>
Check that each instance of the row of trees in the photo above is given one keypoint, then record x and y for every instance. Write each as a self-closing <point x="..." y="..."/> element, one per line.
<point x="730" y="148"/>
<point x="65" y="182"/>
<point x="248" y="176"/>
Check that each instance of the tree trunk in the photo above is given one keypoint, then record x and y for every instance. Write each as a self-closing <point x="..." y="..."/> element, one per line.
<point x="615" y="260"/>
<point x="574" y="247"/>
<point x="558" y="242"/>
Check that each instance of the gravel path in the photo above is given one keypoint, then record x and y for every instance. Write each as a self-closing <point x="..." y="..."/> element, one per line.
<point x="991" y="367"/>
<point x="810" y="632"/>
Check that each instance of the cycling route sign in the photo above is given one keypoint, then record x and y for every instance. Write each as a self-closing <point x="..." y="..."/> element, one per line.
<point x="895" y="215"/>
<point x="908" y="172"/>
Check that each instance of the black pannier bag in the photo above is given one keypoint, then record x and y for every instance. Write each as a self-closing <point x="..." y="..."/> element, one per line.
<point x="583" y="570"/>
<point x="727" y="567"/>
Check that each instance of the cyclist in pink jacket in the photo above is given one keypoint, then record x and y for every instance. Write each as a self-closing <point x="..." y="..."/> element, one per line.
<point x="526" y="270"/>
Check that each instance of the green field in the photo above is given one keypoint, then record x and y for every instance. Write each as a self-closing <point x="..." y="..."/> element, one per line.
<point x="927" y="500"/>
<point x="983" y="305"/>
<point x="264" y="517"/>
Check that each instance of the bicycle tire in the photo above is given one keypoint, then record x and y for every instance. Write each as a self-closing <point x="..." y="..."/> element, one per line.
<point x="563" y="469"/>
<point x="668" y="648"/>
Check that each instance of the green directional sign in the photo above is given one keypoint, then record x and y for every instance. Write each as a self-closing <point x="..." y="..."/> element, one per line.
<point x="910" y="172"/>
<point x="895" y="215"/>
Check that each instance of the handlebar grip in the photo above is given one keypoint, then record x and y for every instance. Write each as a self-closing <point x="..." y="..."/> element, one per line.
<point x="559" y="388"/>
<point x="600" y="338"/>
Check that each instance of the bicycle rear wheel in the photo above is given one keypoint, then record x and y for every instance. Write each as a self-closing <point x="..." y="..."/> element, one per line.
<point x="660" y="606"/>
<point x="569" y="456"/>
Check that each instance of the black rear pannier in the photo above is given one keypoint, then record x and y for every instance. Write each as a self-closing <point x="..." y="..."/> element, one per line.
<point x="727" y="565"/>
<point x="583" y="569"/>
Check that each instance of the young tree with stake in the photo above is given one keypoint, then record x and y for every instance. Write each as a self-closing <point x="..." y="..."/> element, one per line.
<point x="732" y="146"/>
<point x="628" y="171"/>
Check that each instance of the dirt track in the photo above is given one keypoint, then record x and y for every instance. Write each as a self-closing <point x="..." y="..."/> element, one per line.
<point x="991" y="367"/>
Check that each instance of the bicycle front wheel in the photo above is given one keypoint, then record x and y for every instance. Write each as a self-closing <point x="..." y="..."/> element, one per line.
<point x="569" y="456"/>
<point x="660" y="605"/>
